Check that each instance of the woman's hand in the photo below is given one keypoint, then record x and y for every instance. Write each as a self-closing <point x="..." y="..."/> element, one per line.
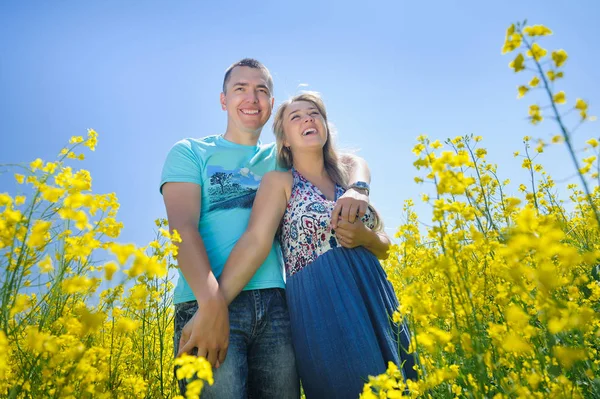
<point x="351" y="235"/>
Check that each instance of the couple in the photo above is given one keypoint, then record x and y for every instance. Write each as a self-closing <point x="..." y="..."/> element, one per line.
<point x="312" y="207"/>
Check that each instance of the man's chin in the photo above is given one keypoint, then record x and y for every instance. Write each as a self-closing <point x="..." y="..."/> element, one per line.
<point x="253" y="128"/>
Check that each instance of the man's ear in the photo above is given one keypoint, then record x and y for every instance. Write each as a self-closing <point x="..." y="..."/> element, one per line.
<point x="223" y="102"/>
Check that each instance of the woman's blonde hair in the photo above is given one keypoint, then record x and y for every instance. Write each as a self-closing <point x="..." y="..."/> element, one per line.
<point x="337" y="170"/>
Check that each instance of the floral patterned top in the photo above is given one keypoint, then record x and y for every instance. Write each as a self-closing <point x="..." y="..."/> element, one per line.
<point x="305" y="233"/>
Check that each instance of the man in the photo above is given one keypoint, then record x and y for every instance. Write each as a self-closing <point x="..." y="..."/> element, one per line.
<point x="208" y="186"/>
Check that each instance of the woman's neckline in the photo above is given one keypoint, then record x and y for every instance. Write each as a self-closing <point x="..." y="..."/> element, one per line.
<point x="336" y="187"/>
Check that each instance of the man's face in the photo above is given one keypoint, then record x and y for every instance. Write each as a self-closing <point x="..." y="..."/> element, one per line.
<point x="248" y="100"/>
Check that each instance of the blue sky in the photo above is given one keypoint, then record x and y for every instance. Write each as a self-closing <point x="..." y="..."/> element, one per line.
<point x="146" y="74"/>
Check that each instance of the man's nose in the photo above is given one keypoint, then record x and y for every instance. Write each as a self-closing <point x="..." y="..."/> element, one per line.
<point x="253" y="96"/>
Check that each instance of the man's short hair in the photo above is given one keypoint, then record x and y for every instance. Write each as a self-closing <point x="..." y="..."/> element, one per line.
<point x="250" y="63"/>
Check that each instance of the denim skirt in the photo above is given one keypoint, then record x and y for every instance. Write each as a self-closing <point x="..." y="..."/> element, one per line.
<point x="341" y="308"/>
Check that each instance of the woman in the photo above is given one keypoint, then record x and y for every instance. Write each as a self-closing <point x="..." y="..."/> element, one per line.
<point x="339" y="299"/>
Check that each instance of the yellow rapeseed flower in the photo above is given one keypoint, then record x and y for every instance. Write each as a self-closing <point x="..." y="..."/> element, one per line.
<point x="568" y="356"/>
<point x="126" y="325"/>
<point x="45" y="265"/>
<point x="559" y="57"/>
<point x="592" y="142"/>
<point x="512" y="43"/>
<point x="92" y="139"/>
<point x="22" y="303"/>
<point x="76" y="140"/>
<point x="122" y="251"/>
<point x="552" y="75"/>
<point x="50" y="167"/>
<point x="436" y="144"/>
<point x="518" y="64"/>
<point x="193" y="366"/>
<point x="537" y="30"/>
<point x="19" y="178"/>
<point x="582" y="106"/>
<point x="560" y="97"/>
<point x="37" y="164"/>
<point x="51" y="193"/>
<point x="39" y="233"/>
<point x="522" y="91"/>
<point x="5" y="366"/>
<point x="534" y="81"/>
<point x="418" y="148"/>
<point x="77" y="284"/>
<point x="110" y="269"/>
<point x="514" y="343"/>
<point x="537" y="52"/>
<point x="535" y="115"/>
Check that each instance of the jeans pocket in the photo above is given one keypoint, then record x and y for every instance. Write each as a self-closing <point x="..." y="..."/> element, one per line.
<point x="184" y="312"/>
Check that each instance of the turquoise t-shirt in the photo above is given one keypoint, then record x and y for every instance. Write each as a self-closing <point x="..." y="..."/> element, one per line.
<point x="228" y="174"/>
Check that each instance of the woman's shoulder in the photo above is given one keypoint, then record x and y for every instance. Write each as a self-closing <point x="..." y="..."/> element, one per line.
<point x="279" y="176"/>
<point x="276" y="180"/>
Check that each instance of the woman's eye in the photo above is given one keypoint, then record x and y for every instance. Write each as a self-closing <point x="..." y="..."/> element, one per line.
<point x="295" y="117"/>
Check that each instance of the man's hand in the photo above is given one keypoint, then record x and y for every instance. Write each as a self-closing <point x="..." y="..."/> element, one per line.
<point x="351" y="235"/>
<point x="208" y="331"/>
<point x="350" y="207"/>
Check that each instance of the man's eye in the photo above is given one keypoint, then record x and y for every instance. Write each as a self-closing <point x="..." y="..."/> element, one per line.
<point x="239" y="89"/>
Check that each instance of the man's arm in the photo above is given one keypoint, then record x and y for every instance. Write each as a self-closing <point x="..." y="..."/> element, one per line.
<point x="210" y="325"/>
<point x="354" y="203"/>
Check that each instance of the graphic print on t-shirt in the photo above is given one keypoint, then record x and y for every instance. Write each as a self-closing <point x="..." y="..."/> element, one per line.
<point x="229" y="189"/>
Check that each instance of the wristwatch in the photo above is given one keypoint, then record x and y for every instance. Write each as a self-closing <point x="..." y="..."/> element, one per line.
<point x="360" y="185"/>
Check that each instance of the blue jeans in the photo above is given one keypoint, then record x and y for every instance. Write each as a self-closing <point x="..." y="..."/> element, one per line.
<point x="260" y="361"/>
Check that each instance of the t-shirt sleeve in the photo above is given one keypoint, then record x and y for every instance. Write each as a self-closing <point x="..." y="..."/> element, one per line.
<point x="181" y="166"/>
<point x="273" y="156"/>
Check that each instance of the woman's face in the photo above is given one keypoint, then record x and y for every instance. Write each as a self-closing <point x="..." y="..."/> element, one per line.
<point x="304" y="127"/>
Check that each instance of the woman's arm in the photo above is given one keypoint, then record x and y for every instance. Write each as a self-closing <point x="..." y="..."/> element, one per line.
<point x="354" y="203"/>
<point x="253" y="247"/>
<point x="378" y="244"/>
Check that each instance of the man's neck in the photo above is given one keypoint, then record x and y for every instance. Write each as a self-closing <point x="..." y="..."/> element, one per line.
<point x="240" y="137"/>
